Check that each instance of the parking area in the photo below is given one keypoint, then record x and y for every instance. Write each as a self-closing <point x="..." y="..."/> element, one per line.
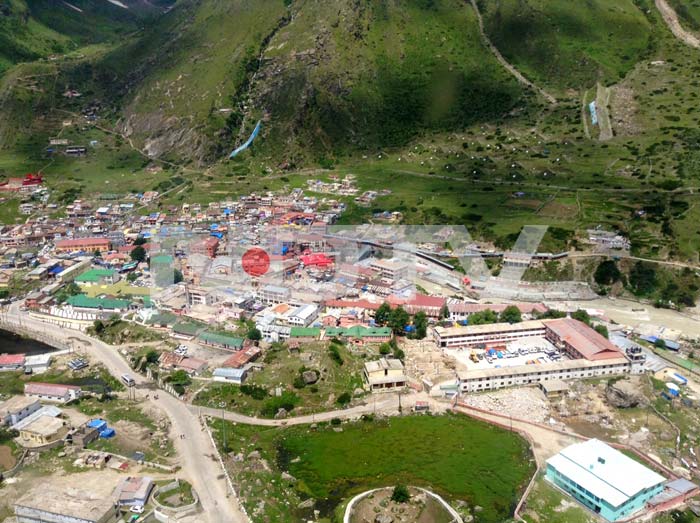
<point x="528" y="351"/>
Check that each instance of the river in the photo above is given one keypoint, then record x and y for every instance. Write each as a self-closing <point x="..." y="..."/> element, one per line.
<point x="11" y="343"/>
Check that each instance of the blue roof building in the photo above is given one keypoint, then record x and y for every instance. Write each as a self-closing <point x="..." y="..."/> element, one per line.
<point x="236" y="376"/>
<point x="603" y="479"/>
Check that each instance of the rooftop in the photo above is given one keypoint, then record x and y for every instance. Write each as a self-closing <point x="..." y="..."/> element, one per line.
<point x="48" y="389"/>
<point x="241" y="357"/>
<point x="15" y="404"/>
<point x="605" y="472"/>
<point x="591" y="344"/>
<point x="228" y="373"/>
<point x="95" y="275"/>
<point x="11" y="359"/>
<point x="488" y="328"/>
<point x="383" y="364"/>
<point x="518" y="370"/>
<point x="221" y="339"/>
<point x="358" y="331"/>
<point x="44" y="425"/>
<point x="304" y="332"/>
<point x="56" y="498"/>
<point x="83" y="301"/>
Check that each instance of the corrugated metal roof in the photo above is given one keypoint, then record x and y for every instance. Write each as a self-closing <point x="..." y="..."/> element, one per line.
<point x="603" y="471"/>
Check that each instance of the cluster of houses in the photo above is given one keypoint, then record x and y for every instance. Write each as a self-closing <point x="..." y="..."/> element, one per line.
<point x="35" y="415"/>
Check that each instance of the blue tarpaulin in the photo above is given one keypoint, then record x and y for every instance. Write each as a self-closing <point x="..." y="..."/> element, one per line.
<point x="98" y="424"/>
<point x="107" y="433"/>
<point x="247" y="143"/>
<point x="594" y="113"/>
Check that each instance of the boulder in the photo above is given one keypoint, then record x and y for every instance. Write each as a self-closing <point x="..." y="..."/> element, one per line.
<point x="281" y="413"/>
<point x="307" y="503"/>
<point x="624" y="394"/>
<point x="383" y="518"/>
<point x="310" y="377"/>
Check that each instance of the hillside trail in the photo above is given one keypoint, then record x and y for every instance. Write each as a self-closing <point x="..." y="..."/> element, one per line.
<point x="505" y="63"/>
<point x="671" y="18"/>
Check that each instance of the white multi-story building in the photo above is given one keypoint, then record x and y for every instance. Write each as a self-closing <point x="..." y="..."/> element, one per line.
<point x="303" y="315"/>
<point x="452" y="337"/>
<point x="496" y="378"/>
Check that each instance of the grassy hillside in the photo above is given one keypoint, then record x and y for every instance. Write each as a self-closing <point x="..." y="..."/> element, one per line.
<point x="325" y="76"/>
<point x="31" y="30"/>
<point x="564" y="44"/>
<point x="22" y="38"/>
<point x="688" y="13"/>
<point x="89" y="21"/>
<point x="376" y="74"/>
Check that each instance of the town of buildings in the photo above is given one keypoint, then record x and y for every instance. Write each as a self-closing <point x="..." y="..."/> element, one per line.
<point x="315" y="285"/>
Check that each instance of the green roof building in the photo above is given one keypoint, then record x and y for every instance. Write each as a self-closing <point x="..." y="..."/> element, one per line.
<point x="358" y="332"/>
<point x="304" y="332"/>
<point x="221" y="340"/>
<point x="186" y="329"/>
<point x="98" y="277"/>
<point x="82" y="301"/>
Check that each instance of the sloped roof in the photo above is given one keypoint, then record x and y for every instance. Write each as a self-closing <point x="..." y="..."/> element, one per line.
<point x="221" y="339"/>
<point x="605" y="472"/>
<point x="358" y="331"/>
<point x="304" y="332"/>
<point x="95" y="275"/>
<point x="591" y="344"/>
<point x="83" y="301"/>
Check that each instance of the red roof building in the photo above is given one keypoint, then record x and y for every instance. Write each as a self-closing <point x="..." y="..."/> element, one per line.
<point x="11" y="361"/>
<point x="316" y="260"/>
<point x="578" y="340"/>
<point x="52" y="391"/>
<point x="242" y="357"/>
<point x="207" y="247"/>
<point x="83" y="244"/>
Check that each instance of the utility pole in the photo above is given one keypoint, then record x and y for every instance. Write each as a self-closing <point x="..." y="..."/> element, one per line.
<point x="223" y="424"/>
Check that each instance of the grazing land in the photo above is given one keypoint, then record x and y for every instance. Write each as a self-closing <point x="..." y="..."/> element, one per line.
<point x="455" y="456"/>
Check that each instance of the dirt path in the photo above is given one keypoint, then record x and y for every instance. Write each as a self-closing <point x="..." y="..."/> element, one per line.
<point x="671" y="19"/>
<point x="505" y="63"/>
<point x="602" y="101"/>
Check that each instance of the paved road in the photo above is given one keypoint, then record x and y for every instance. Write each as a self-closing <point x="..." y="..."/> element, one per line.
<point x="195" y="451"/>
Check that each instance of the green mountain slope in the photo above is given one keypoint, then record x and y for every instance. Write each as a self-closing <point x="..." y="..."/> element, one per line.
<point x="325" y="76"/>
<point x="566" y="44"/>
<point x="34" y="29"/>
<point x="22" y="38"/>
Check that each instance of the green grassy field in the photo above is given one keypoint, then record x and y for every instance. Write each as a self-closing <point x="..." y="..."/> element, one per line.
<point x="455" y="456"/>
<point x="546" y="503"/>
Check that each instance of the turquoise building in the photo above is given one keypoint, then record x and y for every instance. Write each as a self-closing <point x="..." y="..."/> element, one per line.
<point x="603" y="479"/>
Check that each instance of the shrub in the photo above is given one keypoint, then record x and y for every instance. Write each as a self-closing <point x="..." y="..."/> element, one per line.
<point x="400" y="494"/>
<point x="335" y="354"/>
<point x="254" y="391"/>
<point x="344" y="399"/>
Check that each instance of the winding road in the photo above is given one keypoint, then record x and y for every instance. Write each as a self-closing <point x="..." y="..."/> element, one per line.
<point x="197" y="454"/>
<point x="505" y="63"/>
<point x="671" y="18"/>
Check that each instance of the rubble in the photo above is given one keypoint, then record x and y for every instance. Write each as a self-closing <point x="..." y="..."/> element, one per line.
<point x="526" y="403"/>
<point x="624" y="394"/>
